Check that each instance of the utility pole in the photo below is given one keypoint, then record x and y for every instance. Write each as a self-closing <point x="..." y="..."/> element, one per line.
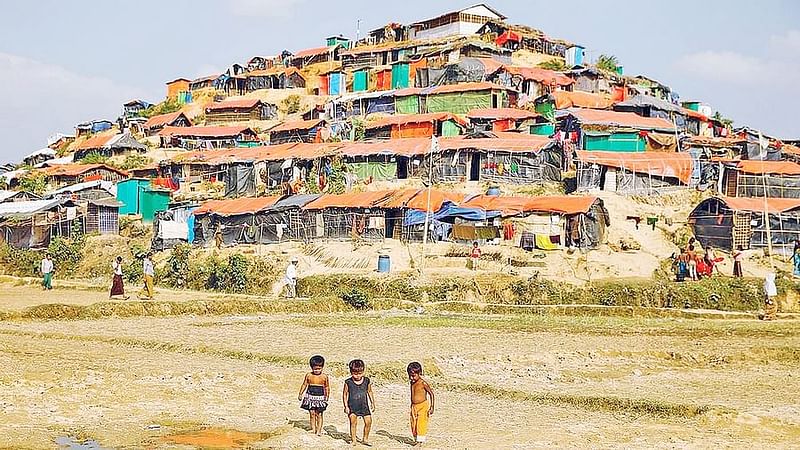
<point x="434" y="149"/>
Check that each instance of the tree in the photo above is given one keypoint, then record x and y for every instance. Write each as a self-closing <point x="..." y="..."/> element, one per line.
<point x="607" y="62"/>
<point x="554" y="64"/>
<point x="33" y="182"/>
<point x="728" y="123"/>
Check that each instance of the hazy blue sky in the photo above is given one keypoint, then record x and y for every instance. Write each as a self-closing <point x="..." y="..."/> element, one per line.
<point x="62" y="62"/>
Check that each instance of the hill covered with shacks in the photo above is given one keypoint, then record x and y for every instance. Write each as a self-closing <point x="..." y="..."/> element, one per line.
<point x="463" y="123"/>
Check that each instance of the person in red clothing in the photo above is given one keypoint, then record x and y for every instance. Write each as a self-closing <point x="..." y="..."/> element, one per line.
<point x="475" y="255"/>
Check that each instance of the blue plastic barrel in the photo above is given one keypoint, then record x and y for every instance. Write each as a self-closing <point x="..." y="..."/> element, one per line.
<point x="384" y="263"/>
<point x="494" y="190"/>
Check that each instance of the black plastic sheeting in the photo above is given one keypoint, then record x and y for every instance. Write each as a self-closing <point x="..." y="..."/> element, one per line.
<point x="240" y="181"/>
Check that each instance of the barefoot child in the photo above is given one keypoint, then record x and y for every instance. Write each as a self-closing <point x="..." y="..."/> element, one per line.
<point x="357" y="398"/>
<point x="314" y="393"/>
<point x="421" y="408"/>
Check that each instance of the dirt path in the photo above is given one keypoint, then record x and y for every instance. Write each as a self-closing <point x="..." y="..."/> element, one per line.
<point x="135" y="382"/>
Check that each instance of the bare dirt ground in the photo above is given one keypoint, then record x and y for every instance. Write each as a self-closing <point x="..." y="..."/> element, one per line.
<point x="501" y="381"/>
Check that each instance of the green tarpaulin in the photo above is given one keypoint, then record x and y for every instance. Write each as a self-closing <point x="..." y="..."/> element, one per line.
<point x="374" y="170"/>
<point x="449" y="128"/>
<point x="459" y="103"/>
<point x="407" y="105"/>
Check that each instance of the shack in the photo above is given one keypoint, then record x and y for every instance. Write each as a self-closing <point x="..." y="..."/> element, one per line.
<point x="140" y="197"/>
<point x="68" y="174"/>
<point x="748" y="178"/>
<point x="591" y="129"/>
<point x="109" y="145"/>
<point x="31" y="224"/>
<point x="39" y="156"/>
<point x="415" y="125"/>
<point x="239" y="110"/>
<point x="729" y="223"/>
<point x="275" y="78"/>
<point x="102" y="215"/>
<point x="464" y="97"/>
<point x="240" y="220"/>
<point x="499" y="119"/>
<point x="363" y="103"/>
<point x="88" y="190"/>
<point x="530" y="82"/>
<point x="633" y="173"/>
<point x="369" y="216"/>
<point x="547" y="222"/>
<point x="297" y="131"/>
<point x="208" y="137"/>
<point x="649" y="106"/>
<point x="174" y="119"/>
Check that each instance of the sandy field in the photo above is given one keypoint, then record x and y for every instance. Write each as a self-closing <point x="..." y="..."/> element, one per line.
<point x="501" y="381"/>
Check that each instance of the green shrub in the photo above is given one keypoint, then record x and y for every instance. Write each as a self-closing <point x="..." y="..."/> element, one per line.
<point x="94" y="158"/>
<point x="235" y="274"/>
<point x="290" y="104"/>
<point x="177" y="270"/>
<point x="356" y="298"/>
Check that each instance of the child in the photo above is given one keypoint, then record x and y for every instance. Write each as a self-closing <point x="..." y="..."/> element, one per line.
<point x="737" y="262"/>
<point x="692" y="263"/>
<point x="682" y="266"/>
<point x="357" y="398"/>
<point x="475" y="255"/>
<point x="421" y="408"/>
<point x="314" y="393"/>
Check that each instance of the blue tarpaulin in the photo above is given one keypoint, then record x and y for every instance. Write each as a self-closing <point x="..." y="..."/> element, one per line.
<point x="447" y="213"/>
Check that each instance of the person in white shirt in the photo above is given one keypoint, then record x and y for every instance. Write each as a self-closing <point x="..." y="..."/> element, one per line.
<point x="117" y="286"/>
<point x="47" y="272"/>
<point x="291" y="278"/>
<point x="149" y="272"/>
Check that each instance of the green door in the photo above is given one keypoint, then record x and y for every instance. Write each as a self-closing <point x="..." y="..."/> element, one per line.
<point x="400" y="75"/>
<point x="361" y="81"/>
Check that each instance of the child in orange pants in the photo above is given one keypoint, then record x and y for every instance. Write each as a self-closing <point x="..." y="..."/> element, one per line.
<point x="421" y="407"/>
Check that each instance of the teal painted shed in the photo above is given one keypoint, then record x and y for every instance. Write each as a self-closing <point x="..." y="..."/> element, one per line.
<point x="151" y="201"/>
<point x="128" y="193"/>
<point x="361" y="80"/>
<point x="615" y="141"/>
<point x="400" y="75"/>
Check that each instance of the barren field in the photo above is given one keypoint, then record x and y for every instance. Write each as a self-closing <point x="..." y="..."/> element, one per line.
<point x="501" y="381"/>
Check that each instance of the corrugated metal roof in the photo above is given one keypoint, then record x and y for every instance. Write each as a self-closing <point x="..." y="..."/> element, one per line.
<point x="27" y="208"/>
<point x="164" y="119"/>
<point x="296" y="125"/>
<point x="405" y="119"/>
<point x="207" y="131"/>
<point x="236" y="206"/>
<point x="501" y="113"/>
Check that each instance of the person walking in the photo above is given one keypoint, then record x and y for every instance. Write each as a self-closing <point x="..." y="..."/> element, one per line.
<point x="291" y="278"/>
<point x="47" y="269"/>
<point x="149" y="273"/>
<point x="117" y="285"/>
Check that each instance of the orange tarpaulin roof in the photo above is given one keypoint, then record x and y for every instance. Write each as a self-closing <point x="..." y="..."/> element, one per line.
<point x="235" y="206"/>
<point x="402" y="198"/>
<point x="580" y="99"/>
<point x="537" y="74"/>
<point x="72" y="170"/>
<point x="243" y="103"/>
<point x="370" y="199"/>
<point x="526" y="143"/>
<point x="96" y="141"/>
<point x="208" y="131"/>
<point x="511" y="206"/>
<point x="694" y="114"/>
<point x="501" y="113"/>
<point x="313" y="52"/>
<point x="438" y="198"/>
<point x="620" y="119"/>
<point x="753" y="204"/>
<point x="775" y="167"/>
<point x="403" y="147"/>
<point x="296" y="125"/>
<point x="404" y="119"/>
<point x="163" y="119"/>
<point x="464" y="87"/>
<point x="674" y="165"/>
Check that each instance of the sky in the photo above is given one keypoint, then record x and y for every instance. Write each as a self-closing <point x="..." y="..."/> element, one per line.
<point x="62" y="63"/>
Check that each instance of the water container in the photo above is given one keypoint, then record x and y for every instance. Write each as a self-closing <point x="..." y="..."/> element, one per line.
<point x="384" y="263"/>
<point x="493" y="190"/>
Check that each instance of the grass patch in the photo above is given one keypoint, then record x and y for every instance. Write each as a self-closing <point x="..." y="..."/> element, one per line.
<point x="381" y="372"/>
<point x="639" y="407"/>
<point x="595" y="325"/>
